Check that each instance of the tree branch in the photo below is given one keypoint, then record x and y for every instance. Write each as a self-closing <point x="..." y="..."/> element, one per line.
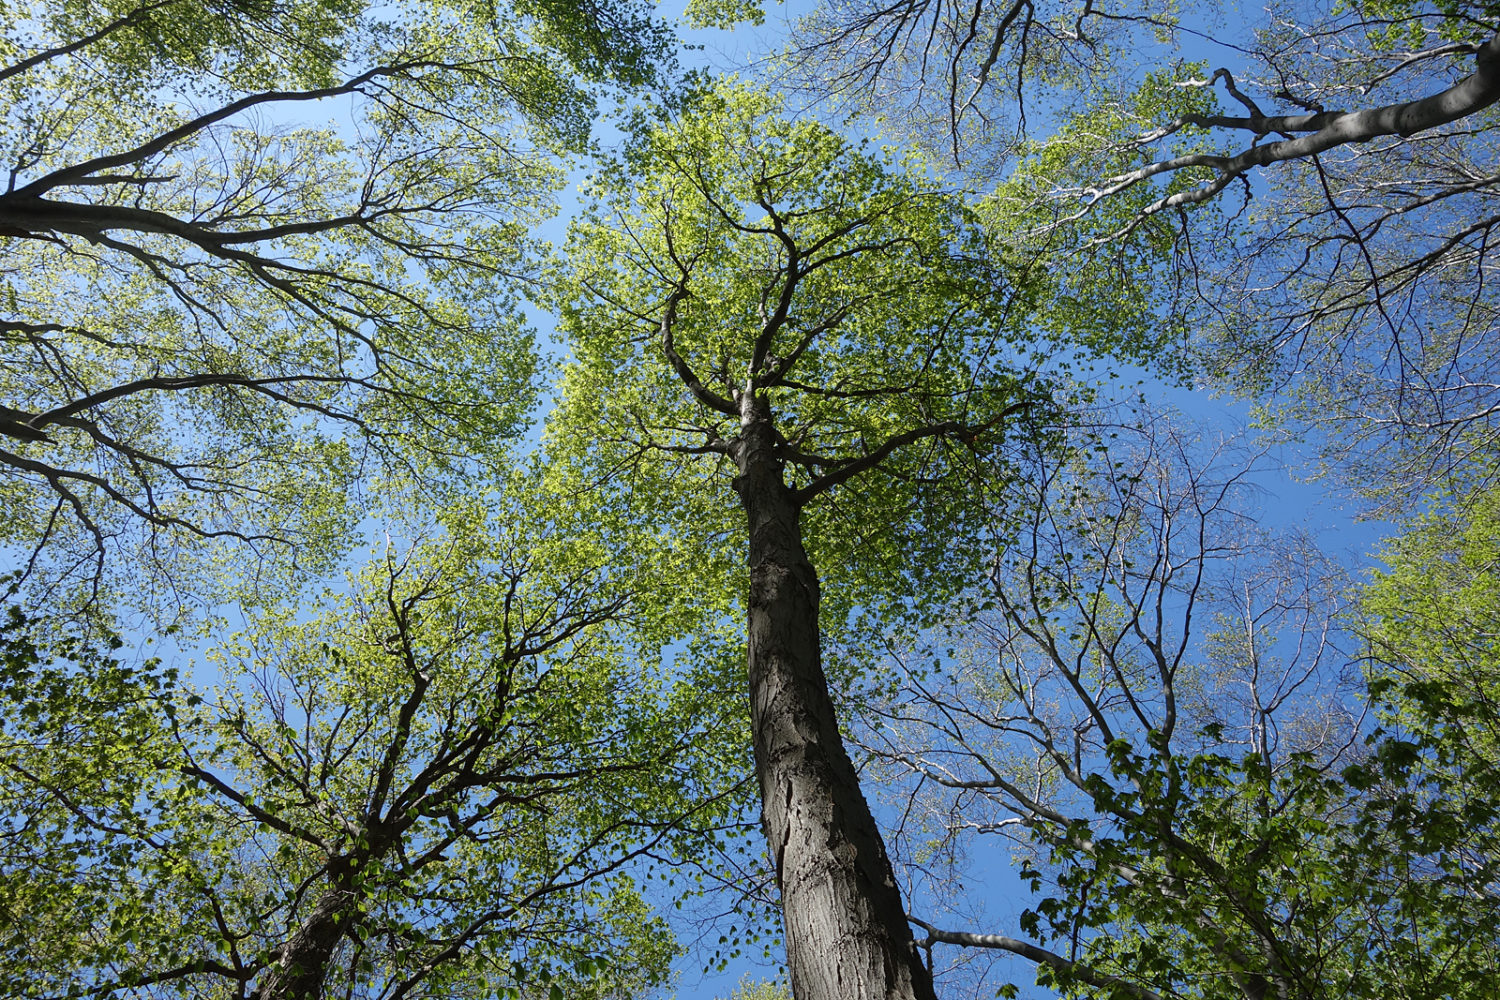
<point x="82" y="43"/>
<point x="689" y="378"/>
<point x="169" y="138"/>
<point x="854" y="467"/>
<point x="1328" y="130"/>
<point x="1040" y="956"/>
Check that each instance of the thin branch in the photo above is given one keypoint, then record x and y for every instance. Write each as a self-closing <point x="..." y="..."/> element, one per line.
<point x="854" y="467"/>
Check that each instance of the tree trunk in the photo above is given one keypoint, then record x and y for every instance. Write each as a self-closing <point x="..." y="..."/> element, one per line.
<point x="302" y="965"/>
<point x="846" y="931"/>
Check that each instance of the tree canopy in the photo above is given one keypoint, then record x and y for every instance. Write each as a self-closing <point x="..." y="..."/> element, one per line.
<point x="830" y="485"/>
<point x="440" y="781"/>
<point x="262" y="253"/>
<point x="840" y="343"/>
<point x="1156" y="719"/>
<point x="1343" y="156"/>
<point x="1429" y="619"/>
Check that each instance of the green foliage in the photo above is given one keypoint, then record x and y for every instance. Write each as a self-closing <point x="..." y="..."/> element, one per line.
<point x="1215" y="862"/>
<point x="760" y="989"/>
<point x="1432" y="619"/>
<point x="861" y="299"/>
<point x="229" y="326"/>
<point x="1433" y="778"/>
<point x="1112" y="277"/>
<point x="263" y="253"/>
<point x="1152" y="712"/>
<point x="1393" y="24"/>
<point x="724" y="13"/>
<point x="80" y="799"/>
<point x="608" y="43"/>
<point x="456" y="761"/>
<point x="218" y="42"/>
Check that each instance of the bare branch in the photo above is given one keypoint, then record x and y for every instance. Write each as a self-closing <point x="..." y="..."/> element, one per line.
<point x="1041" y="956"/>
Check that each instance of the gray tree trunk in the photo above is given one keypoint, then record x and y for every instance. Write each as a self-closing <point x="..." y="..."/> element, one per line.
<point x="302" y="965"/>
<point x="847" y="935"/>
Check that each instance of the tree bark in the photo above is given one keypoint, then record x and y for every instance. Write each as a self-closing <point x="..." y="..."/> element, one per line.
<point x="847" y="936"/>
<point x="302" y="965"/>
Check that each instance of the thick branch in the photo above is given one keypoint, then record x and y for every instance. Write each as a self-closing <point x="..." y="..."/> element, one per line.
<point x="169" y="384"/>
<point x="689" y="378"/>
<point x="1327" y="130"/>
<point x="81" y="43"/>
<point x="239" y="798"/>
<point x="171" y="137"/>
<point x="1474" y="92"/>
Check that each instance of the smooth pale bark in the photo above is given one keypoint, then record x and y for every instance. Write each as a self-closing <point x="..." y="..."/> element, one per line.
<point x="1322" y="131"/>
<point x="847" y="936"/>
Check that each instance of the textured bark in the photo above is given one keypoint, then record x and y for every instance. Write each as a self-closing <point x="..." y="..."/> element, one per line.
<point x="302" y="964"/>
<point x="847" y="936"/>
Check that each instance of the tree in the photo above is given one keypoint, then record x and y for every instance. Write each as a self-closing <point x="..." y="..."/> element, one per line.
<point x="1429" y="624"/>
<point x="437" y="783"/>
<point x="1342" y="202"/>
<point x="1430" y="619"/>
<point x="1156" y="718"/>
<point x="762" y="307"/>
<point x="261" y="252"/>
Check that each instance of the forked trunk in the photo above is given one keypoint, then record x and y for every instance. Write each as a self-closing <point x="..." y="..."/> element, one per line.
<point x="846" y="931"/>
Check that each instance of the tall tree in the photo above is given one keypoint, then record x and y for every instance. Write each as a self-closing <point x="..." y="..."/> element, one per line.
<point x="763" y="310"/>
<point x="259" y="251"/>
<point x="438" y="783"/>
